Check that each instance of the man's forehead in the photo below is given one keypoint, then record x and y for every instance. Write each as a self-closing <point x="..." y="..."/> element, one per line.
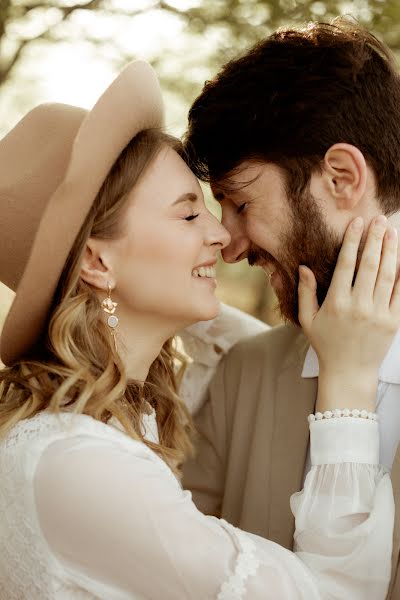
<point x="239" y="182"/>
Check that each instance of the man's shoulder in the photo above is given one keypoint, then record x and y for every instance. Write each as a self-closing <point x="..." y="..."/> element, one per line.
<point x="276" y="345"/>
<point x="253" y="367"/>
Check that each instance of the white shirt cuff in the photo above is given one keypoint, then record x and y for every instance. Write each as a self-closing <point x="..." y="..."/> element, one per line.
<point x="344" y="440"/>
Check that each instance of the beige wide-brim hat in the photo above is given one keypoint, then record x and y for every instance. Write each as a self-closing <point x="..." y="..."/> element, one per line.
<point x="52" y="165"/>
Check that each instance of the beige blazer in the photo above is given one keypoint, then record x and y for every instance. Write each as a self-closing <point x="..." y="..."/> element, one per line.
<point x="253" y="439"/>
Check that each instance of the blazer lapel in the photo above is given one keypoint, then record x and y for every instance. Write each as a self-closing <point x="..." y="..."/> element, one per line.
<point x="295" y="400"/>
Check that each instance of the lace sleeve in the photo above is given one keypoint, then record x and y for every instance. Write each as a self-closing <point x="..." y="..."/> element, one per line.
<point x="120" y="519"/>
<point x="206" y="342"/>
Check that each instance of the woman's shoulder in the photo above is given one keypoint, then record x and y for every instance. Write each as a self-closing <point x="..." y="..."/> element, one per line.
<point x="30" y="437"/>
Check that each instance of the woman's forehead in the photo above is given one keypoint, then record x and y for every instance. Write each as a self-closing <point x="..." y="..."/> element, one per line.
<point x="166" y="180"/>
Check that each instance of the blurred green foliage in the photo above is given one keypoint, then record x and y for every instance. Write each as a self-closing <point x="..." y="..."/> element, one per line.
<point x="236" y="24"/>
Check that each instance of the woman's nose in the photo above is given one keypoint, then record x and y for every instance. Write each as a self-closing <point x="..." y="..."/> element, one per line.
<point x="218" y="234"/>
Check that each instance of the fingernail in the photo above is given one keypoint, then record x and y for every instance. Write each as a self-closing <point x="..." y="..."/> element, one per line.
<point x="391" y="233"/>
<point x="302" y="274"/>
<point x="381" y="220"/>
<point x="357" y="224"/>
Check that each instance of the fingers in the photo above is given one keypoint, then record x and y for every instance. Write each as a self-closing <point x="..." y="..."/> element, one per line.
<point x="343" y="275"/>
<point x="376" y="287"/>
<point x="370" y="260"/>
<point x="395" y="300"/>
<point x="387" y="270"/>
<point x="308" y="303"/>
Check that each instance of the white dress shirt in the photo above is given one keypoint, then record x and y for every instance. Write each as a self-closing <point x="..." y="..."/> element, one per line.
<point x="387" y="400"/>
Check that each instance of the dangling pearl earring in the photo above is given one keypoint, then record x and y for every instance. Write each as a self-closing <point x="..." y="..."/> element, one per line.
<point x="109" y="307"/>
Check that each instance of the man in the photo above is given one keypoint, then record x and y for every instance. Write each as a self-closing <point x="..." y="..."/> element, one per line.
<point x="297" y="138"/>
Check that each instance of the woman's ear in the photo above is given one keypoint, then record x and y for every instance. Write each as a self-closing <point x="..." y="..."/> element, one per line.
<point x="345" y="174"/>
<point x="94" y="269"/>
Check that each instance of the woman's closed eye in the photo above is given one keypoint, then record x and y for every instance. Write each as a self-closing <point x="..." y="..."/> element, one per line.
<point x="192" y="217"/>
<point x="241" y="208"/>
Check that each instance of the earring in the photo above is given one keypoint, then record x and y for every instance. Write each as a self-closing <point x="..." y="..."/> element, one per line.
<point x="109" y="307"/>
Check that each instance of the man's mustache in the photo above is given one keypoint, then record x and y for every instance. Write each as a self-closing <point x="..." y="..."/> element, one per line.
<point x="256" y="255"/>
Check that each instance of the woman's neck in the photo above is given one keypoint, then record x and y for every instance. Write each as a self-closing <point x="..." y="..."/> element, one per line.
<point x="139" y="342"/>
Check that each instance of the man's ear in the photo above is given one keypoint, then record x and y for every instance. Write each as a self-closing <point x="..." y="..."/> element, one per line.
<point x="345" y="174"/>
<point x="95" y="269"/>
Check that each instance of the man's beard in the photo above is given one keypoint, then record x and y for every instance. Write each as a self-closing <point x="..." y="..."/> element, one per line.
<point x="309" y="242"/>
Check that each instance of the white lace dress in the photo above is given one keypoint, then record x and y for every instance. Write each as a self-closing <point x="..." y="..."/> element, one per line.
<point x="88" y="513"/>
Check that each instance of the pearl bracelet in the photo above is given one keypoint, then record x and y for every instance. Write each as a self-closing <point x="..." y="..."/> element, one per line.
<point x="345" y="412"/>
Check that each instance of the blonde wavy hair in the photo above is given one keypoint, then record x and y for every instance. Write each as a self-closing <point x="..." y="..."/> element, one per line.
<point x="75" y="364"/>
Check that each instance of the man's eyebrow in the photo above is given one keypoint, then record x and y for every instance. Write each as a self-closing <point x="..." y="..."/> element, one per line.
<point x="185" y="197"/>
<point x="227" y="195"/>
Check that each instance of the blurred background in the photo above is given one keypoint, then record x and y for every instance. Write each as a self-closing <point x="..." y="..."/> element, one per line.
<point x="68" y="51"/>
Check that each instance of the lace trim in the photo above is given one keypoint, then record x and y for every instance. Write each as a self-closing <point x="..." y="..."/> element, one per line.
<point x="28" y="568"/>
<point x="247" y="563"/>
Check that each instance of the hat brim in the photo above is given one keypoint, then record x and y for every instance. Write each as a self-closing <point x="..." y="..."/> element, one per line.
<point x="132" y="103"/>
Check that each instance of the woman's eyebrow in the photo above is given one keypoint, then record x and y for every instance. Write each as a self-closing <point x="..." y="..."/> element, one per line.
<point x="185" y="197"/>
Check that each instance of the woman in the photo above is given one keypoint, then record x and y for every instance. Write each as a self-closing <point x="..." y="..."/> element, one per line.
<point x="108" y="242"/>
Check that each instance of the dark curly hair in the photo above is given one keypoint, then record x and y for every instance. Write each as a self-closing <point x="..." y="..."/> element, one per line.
<point x="291" y="97"/>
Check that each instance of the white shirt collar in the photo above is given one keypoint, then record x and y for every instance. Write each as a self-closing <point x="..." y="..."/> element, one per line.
<point x="389" y="371"/>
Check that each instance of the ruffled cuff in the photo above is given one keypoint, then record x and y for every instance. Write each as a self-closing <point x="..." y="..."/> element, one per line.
<point x="344" y="440"/>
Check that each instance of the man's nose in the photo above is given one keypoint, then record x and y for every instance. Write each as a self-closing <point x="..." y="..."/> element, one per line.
<point x="237" y="249"/>
<point x="239" y="243"/>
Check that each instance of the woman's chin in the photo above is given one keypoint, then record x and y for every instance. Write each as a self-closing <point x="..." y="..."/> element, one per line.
<point x="211" y="314"/>
<point x="194" y="313"/>
<point x="206" y="312"/>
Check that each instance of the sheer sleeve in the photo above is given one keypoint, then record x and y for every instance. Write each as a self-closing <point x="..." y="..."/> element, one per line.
<point x="206" y="343"/>
<point x="119" y="522"/>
